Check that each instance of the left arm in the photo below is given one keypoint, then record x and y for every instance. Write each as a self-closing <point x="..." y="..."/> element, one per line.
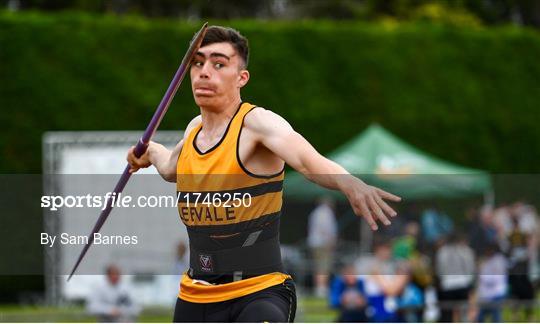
<point x="276" y="134"/>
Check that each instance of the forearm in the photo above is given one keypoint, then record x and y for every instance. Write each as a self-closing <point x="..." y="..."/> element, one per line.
<point x="161" y="159"/>
<point x="326" y="173"/>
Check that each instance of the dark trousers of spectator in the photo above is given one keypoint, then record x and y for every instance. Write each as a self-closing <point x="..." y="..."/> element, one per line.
<point x="494" y="315"/>
<point x="411" y="316"/>
<point x="454" y="295"/>
<point x="521" y="288"/>
<point x="493" y="311"/>
<point x="352" y="316"/>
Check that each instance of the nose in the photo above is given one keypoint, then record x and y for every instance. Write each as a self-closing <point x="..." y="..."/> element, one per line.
<point x="205" y="71"/>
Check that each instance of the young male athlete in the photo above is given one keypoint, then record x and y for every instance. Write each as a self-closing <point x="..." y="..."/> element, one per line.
<point x="229" y="170"/>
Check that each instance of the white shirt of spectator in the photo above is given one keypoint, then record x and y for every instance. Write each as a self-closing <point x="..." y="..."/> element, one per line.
<point x="493" y="278"/>
<point x="455" y="266"/>
<point x="105" y="297"/>
<point x="322" y="227"/>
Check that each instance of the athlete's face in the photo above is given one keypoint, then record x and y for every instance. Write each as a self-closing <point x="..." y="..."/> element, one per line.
<point x="217" y="75"/>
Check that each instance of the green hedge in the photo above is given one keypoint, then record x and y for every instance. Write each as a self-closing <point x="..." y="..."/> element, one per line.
<point x="468" y="95"/>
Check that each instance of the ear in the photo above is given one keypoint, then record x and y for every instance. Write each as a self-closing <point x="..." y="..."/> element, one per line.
<point x="243" y="78"/>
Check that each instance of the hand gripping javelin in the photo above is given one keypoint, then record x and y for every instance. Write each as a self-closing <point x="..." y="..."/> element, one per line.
<point x="142" y="145"/>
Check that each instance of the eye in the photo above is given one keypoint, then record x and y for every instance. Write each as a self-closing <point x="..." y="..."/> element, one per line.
<point x="218" y="65"/>
<point x="197" y="63"/>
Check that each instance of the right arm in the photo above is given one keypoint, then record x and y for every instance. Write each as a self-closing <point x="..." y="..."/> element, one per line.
<point x="163" y="159"/>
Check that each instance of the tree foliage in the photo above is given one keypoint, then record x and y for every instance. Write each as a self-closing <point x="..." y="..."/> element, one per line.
<point x="467" y="95"/>
<point x="520" y="12"/>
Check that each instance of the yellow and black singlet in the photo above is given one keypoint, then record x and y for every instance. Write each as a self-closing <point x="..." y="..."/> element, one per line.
<point x="232" y="219"/>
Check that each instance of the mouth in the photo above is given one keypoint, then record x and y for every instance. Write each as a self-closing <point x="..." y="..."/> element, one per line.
<point x="203" y="91"/>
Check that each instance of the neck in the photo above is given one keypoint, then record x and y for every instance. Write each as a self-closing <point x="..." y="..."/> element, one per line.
<point x="215" y="120"/>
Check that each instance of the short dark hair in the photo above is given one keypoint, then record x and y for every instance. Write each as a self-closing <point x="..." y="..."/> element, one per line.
<point x="381" y="242"/>
<point x="112" y="268"/>
<point x="219" y="34"/>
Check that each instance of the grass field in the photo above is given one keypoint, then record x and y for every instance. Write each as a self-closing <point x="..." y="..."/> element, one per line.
<point x="310" y="309"/>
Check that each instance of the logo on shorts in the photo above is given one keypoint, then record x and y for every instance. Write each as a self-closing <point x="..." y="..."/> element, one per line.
<point x="206" y="262"/>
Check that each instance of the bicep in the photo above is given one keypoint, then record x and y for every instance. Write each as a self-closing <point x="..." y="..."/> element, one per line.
<point x="291" y="147"/>
<point x="278" y="136"/>
<point x="177" y="149"/>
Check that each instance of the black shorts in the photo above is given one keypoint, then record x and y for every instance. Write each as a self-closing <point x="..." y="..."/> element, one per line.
<point x="273" y="304"/>
<point x="454" y="294"/>
<point x="521" y="287"/>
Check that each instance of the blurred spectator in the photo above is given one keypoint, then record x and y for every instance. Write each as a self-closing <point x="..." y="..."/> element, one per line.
<point x="411" y="300"/>
<point x="527" y="216"/>
<point x="322" y="238"/>
<point x="347" y="294"/>
<point x="383" y="287"/>
<point x="111" y="301"/>
<point x="435" y="225"/>
<point x="422" y="276"/>
<point x="182" y="258"/>
<point x="170" y="284"/>
<point x="502" y="219"/>
<point x="485" y="230"/>
<point x="521" y="287"/>
<point x="492" y="284"/>
<point x="405" y="246"/>
<point x="421" y="270"/>
<point x="528" y="223"/>
<point x="455" y="268"/>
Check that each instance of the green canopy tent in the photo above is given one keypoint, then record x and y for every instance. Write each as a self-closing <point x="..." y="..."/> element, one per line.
<point x="381" y="159"/>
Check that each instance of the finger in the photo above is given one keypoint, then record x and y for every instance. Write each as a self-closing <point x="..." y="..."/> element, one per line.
<point x="134" y="165"/>
<point x="134" y="161"/>
<point x="387" y="195"/>
<point x="387" y="209"/>
<point x="367" y="215"/>
<point x="130" y="155"/>
<point x="378" y="211"/>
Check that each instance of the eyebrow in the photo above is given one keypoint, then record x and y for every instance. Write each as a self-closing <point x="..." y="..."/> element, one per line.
<point x="214" y="54"/>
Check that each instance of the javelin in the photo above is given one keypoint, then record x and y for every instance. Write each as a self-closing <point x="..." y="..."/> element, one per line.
<point x="143" y="142"/>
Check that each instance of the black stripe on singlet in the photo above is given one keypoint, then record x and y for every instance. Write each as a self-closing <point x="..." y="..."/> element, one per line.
<point x="248" y="225"/>
<point x="253" y="191"/>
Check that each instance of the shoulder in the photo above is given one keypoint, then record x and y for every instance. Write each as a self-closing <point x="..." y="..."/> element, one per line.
<point x="261" y="120"/>
<point x="192" y="124"/>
